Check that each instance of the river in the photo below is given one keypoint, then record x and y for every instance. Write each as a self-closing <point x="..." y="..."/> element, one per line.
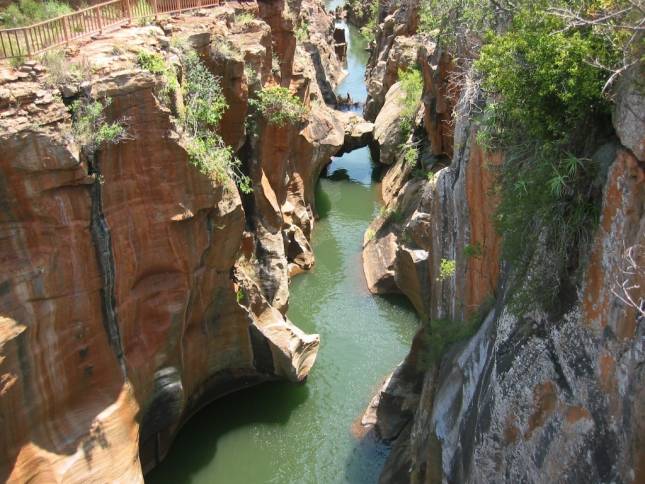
<point x="299" y="434"/>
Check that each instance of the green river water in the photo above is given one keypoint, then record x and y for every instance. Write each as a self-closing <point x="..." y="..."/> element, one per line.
<point x="291" y="434"/>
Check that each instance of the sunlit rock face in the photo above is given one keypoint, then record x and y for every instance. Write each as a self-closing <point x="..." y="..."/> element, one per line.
<point x="136" y="289"/>
<point x="530" y="398"/>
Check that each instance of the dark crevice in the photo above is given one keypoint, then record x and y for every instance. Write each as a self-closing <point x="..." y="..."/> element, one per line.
<point x="103" y="243"/>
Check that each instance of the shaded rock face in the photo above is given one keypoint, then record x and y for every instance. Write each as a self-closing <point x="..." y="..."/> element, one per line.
<point x="133" y="287"/>
<point x="529" y="398"/>
<point x="395" y="49"/>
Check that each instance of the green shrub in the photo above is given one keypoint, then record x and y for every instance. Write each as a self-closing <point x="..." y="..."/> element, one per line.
<point x="412" y="87"/>
<point x="60" y="70"/>
<point x="302" y="32"/>
<point x="410" y="154"/>
<point x="156" y="64"/>
<point x="440" y="334"/>
<point x="205" y="101"/>
<point x="27" y="12"/>
<point x="548" y="106"/>
<point x="473" y="250"/>
<point x="447" y="269"/>
<point x="369" y="29"/>
<point x="278" y="106"/>
<point x="244" y="18"/>
<point x="89" y="127"/>
<point x="151" y="61"/>
<point x="205" y="106"/>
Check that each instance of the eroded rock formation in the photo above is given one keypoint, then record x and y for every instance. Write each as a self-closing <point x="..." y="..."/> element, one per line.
<point x="531" y="398"/>
<point x="136" y="289"/>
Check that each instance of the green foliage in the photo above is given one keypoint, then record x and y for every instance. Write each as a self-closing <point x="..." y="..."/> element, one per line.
<point x="17" y="61"/>
<point x="61" y="70"/>
<point x="302" y="32"/>
<point x="447" y="269"/>
<point x="151" y="61"/>
<point x="473" y="250"/>
<point x="278" y="106"/>
<point x="156" y="64"/>
<point x="240" y="295"/>
<point x="205" y="101"/>
<point x="540" y="74"/>
<point x="547" y="100"/>
<point x="90" y="128"/>
<point x="547" y="201"/>
<point x="441" y="334"/>
<point x="412" y="87"/>
<point x="410" y="154"/>
<point x="369" y="29"/>
<point x="26" y="12"/>
<point x="205" y="106"/>
<point x="244" y="18"/>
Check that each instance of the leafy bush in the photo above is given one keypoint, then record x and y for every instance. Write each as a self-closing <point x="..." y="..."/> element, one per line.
<point x="302" y="32"/>
<point x="27" y="12"/>
<point x="89" y="127"/>
<point x="441" y="334"/>
<point x="447" y="269"/>
<point x="244" y="18"/>
<point x="547" y="109"/>
<point x="278" y="106"/>
<point x="151" y="62"/>
<point x="412" y="87"/>
<point x="156" y="64"/>
<point x="205" y="106"/>
<point x="369" y="29"/>
<point x="410" y="154"/>
<point x="61" y="71"/>
<point x="205" y="101"/>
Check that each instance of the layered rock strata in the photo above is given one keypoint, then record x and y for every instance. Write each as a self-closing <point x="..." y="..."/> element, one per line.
<point x="531" y="398"/>
<point x="136" y="289"/>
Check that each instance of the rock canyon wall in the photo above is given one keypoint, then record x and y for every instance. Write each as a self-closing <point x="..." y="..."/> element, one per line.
<point x="136" y="289"/>
<point x="539" y="397"/>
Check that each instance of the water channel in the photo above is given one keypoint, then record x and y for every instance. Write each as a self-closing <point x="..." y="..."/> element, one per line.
<point x="288" y="434"/>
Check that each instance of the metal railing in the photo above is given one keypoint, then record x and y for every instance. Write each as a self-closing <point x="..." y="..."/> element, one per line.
<point x="37" y="38"/>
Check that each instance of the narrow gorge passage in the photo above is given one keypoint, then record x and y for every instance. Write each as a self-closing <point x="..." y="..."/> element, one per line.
<point x="281" y="433"/>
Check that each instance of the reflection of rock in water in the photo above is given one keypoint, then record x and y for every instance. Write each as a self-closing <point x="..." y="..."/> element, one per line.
<point x="339" y="175"/>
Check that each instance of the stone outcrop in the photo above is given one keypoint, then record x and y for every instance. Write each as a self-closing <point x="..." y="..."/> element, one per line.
<point x="530" y="398"/>
<point x="395" y="48"/>
<point x="387" y="126"/>
<point x="135" y="288"/>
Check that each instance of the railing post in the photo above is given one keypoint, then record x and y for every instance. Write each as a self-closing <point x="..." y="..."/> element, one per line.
<point x="178" y="6"/>
<point x="128" y="11"/>
<point x="154" y="7"/>
<point x="100" y="18"/>
<point x="24" y="31"/>
<point x="66" y="29"/>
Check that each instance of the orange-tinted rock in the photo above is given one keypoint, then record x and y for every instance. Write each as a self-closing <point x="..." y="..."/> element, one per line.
<point x="120" y="308"/>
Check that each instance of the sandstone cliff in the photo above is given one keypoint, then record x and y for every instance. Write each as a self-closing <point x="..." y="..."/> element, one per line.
<point x="136" y="289"/>
<point x="540" y="397"/>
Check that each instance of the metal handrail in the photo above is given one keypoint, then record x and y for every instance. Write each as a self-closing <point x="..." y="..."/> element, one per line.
<point x="39" y="37"/>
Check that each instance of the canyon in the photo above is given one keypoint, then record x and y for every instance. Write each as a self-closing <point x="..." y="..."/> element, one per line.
<point x="136" y="290"/>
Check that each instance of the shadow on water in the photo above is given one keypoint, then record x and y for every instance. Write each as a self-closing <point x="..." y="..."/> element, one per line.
<point x="323" y="203"/>
<point x="366" y="461"/>
<point x="196" y="445"/>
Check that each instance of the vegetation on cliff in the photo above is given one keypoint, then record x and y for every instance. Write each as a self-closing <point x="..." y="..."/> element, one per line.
<point x="546" y="68"/>
<point x="278" y="106"/>
<point x="204" y="107"/>
<point x="26" y="12"/>
<point x="90" y="128"/>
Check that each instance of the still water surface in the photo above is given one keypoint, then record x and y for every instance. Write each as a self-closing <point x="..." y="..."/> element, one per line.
<point x="288" y="434"/>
